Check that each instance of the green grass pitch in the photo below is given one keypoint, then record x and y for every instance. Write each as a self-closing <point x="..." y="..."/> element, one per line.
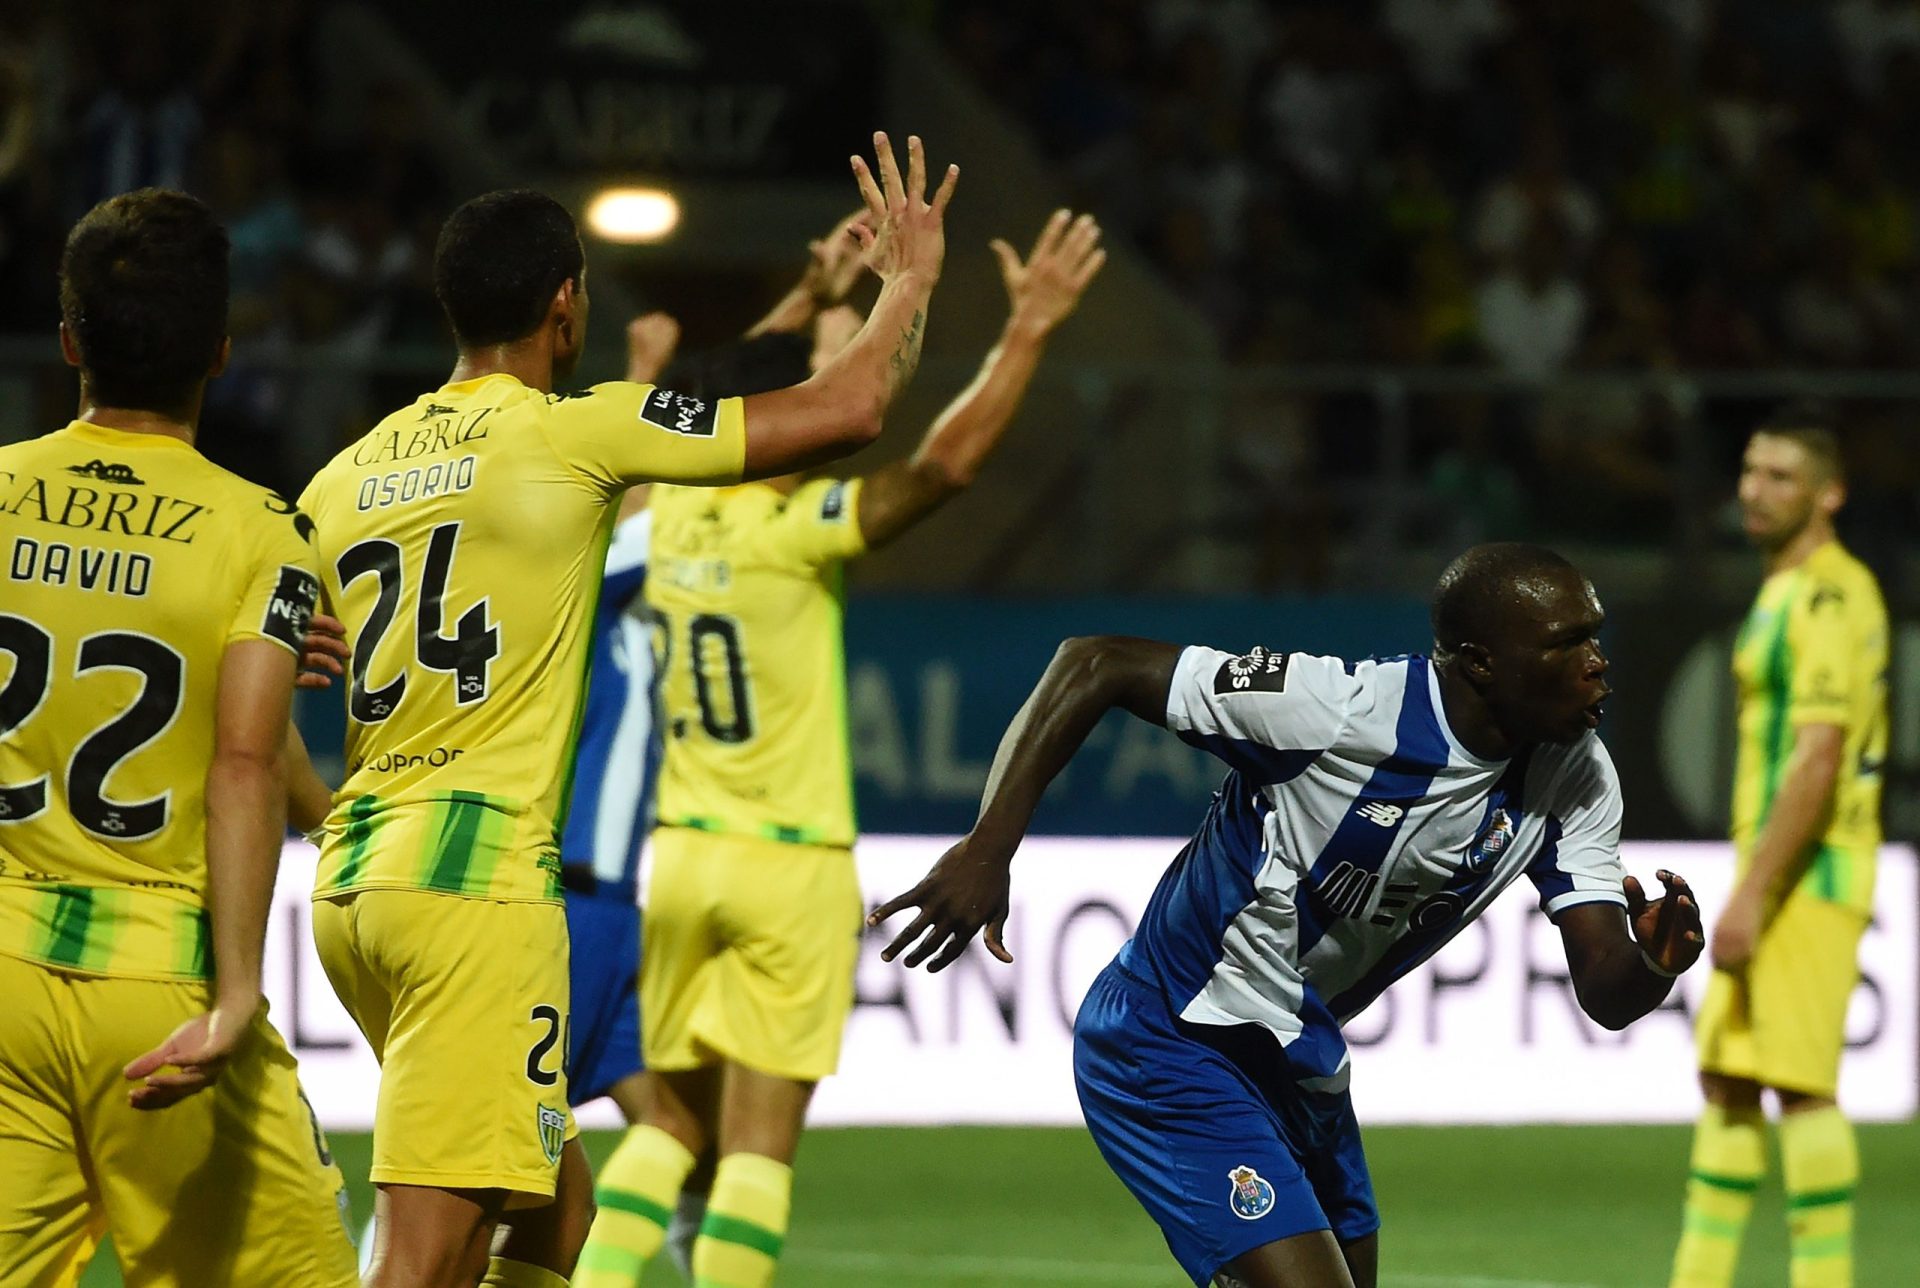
<point x="1465" y="1207"/>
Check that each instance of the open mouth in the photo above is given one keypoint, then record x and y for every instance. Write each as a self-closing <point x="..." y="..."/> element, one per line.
<point x="1594" y="714"/>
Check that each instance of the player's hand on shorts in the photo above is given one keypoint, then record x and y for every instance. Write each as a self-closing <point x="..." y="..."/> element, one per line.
<point x="1667" y="929"/>
<point x="651" y="341"/>
<point x="966" y="890"/>
<point x="1065" y="257"/>
<point x="904" y="232"/>
<point x="323" y="653"/>
<point x="1736" y="933"/>
<point x="191" y="1058"/>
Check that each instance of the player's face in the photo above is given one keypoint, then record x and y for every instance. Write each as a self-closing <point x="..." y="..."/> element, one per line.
<point x="1781" y="491"/>
<point x="1550" y="677"/>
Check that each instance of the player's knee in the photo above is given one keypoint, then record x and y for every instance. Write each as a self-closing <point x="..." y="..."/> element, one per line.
<point x="1729" y="1093"/>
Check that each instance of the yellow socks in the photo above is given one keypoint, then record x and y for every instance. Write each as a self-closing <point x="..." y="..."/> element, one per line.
<point x="1729" y="1159"/>
<point x="502" y="1273"/>
<point x="746" y="1223"/>
<point x="636" y="1193"/>
<point x="1822" y="1166"/>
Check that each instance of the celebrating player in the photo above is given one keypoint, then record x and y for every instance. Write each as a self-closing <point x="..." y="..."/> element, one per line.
<point x="462" y="538"/>
<point x="1811" y="662"/>
<point x="154" y="614"/>
<point x="1372" y="810"/>
<point x="753" y="912"/>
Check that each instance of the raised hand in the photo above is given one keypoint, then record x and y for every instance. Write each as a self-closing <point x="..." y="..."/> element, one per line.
<point x="651" y="340"/>
<point x="1064" y="259"/>
<point x="1668" y="928"/>
<point x="904" y="232"/>
<point x="836" y="261"/>
<point x="323" y="653"/>
<point x="196" y="1052"/>
<point x="965" y="891"/>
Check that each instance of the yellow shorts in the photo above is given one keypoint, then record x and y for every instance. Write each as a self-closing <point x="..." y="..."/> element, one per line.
<point x="464" y="1002"/>
<point x="1782" y="1022"/>
<point x="230" y="1186"/>
<point x="747" y="951"/>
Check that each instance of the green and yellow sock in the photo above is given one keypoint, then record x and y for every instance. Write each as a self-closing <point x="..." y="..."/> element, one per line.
<point x="746" y="1223"/>
<point x="635" y="1196"/>
<point x="1729" y="1160"/>
<point x="1822" y="1167"/>
<point x="502" y="1273"/>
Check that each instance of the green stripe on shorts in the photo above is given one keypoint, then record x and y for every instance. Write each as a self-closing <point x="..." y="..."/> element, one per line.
<point x="361" y="825"/>
<point x="65" y="941"/>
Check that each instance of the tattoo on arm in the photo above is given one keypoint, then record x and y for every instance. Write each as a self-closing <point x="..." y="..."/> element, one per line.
<point x="906" y="355"/>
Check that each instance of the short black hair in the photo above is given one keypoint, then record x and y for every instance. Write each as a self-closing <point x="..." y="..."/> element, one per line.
<point x="1474" y="596"/>
<point x="143" y="293"/>
<point x="752" y="365"/>
<point x="500" y="258"/>
<point x="1814" y="425"/>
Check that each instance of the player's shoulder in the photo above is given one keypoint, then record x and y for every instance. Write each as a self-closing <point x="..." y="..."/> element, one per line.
<point x="1837" y="581"/>
<point x="1564" y="776"/>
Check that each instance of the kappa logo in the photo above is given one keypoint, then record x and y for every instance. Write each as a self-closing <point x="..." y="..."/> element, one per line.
<point x="553" y="1133"/>
<point x="101" y="470"/>
<point x="1251" y="1197"/>
<point x="1381" y="813"/>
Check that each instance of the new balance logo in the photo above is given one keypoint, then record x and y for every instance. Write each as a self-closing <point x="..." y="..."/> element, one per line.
<point x="1381" y="813"/>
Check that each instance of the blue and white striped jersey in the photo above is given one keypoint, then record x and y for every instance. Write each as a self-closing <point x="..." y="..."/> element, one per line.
<point x="1353" y="838"/>
<point x="618" y="756"/>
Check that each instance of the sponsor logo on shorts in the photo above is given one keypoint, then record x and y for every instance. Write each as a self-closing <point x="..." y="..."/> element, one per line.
<point x="553" y="1136"/>
<point x="1252" y="1197"/>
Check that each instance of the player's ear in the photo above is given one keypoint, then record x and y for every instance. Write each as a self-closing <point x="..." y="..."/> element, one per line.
<point x="1831" y="496"/>
<point x="1477" y="661"/>
<point x="222" y="358"/>
<point x="69" y="347"/>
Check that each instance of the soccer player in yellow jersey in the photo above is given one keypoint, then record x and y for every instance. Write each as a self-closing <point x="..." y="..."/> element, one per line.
<point x="1811" y="663"/>
<point x="462" y="541"/>
<point x="752" y="913"/>
<point x="150" y="628"/>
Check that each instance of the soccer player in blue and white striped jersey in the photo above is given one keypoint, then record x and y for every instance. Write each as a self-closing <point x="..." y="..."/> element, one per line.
<point x="1372" y="809"/>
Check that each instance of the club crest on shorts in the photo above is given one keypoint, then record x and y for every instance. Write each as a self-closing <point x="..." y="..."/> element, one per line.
<point x="553" y="1133"/>
<point x="1252" y="1197"/>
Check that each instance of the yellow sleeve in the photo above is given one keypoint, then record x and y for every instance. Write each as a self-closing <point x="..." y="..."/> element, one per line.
<point x="280" y="583"/>
<point x="620" y="433"/>
<point x="819" y="524"/>
<point x="1826" y="665"/>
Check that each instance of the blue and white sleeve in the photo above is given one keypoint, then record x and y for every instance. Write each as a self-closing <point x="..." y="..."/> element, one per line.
<point x="1579" y="862"/>
<point x="1267" y="714"/>
<point x="626" y="570"/>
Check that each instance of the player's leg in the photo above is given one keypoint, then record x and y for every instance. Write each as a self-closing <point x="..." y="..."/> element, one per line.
<point x="690" y="1213"/>
<point x="50" y="1217"/>
<point x="639" y="1185"/>
<point x="1310" y="1260"/>
<point x="469" y="1000"/>
<point x="1363" y="1260"/>
<point x="235" y="1185"/>
<point x="1804" y="973"/>
<point x="1728" y="1159"/>
<point x="784" y="988"/>
<point x="537" y="1247"/>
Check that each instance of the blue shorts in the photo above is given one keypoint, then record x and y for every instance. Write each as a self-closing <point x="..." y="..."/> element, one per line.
<point x="605" y="1046"/>
<point x="1208" y="1130"/>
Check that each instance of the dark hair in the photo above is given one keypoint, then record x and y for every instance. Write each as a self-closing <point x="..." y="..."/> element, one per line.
<point x="1811" y="424"/>
<point x="1474" y="596"/>
<point x="754" y="365"/>
<point x="499" y="261"/>
<point x="143" y="292"/>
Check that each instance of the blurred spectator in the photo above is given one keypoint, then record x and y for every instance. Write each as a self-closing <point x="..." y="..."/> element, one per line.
<point x="1868" y="207"/>
<point x="1538" y="190"/>
<point x="1532" y="313"/>
<point x="1440" y="39"/>
<point x="1323" y="99"/>
<point x="1868" y="33"/>
<point x="1836" y="314"/>
<point x="142" y="126"/>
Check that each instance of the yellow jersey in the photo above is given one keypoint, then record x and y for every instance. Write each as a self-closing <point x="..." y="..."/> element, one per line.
<point x="745" y="589"/>
<point x="1813" y="650"/>
<point x="462" y="542"/>
<point x="132" y="562"/>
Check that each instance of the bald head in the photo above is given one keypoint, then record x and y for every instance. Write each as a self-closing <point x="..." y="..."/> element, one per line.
<point x="1483" y="592"/>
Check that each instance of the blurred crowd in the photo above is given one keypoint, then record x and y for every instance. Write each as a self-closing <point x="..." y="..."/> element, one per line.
<point x="332" y="205"/>
<point x="1544" y="188"/>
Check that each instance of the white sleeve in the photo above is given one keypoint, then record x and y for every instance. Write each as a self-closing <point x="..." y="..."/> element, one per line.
<point x="628" y="550"/>
<point x="1579" y="861"/>
<point x="1269" y="715"/>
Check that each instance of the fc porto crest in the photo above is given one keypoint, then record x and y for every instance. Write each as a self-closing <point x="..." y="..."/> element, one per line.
<point x="1492" y="843"/>
<point x="553" y="1133"/>
<point x="1252" y="1197"/>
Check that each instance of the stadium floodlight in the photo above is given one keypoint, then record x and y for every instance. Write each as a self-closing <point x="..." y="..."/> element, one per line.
<point x="633" y="214"/>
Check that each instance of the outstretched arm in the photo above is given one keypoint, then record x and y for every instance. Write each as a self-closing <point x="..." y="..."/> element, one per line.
<point x="833" y="266"/>
<point x="1042" y="292"/>
<point x="840" y="407"/>
<point x="1787" y="844"/>
<point x="968" y="888"/>
<point x="1624" y="963"/>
